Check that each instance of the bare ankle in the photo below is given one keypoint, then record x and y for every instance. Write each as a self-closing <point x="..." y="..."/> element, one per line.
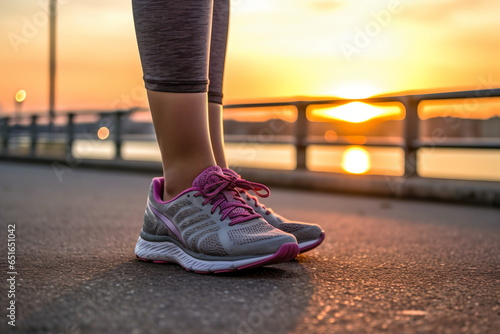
<point x="172" y="189"/>
<point x="180" y="178"/>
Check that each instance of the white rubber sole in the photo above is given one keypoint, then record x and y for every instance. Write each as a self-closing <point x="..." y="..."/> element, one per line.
<point x="165" y="252"/>
<point x="308" y="245"/>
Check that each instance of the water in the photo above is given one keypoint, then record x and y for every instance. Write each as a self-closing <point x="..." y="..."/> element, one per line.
<point x="473" y="164"/>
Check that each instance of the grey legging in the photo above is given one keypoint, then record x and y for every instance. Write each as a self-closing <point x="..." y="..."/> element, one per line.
<point x="182" y="44"/>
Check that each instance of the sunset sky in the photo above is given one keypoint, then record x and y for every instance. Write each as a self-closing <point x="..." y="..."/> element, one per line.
<point x="277" y="48"/>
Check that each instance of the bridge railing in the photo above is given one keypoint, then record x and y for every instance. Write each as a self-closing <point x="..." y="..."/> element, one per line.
<point x="410" y="142"/>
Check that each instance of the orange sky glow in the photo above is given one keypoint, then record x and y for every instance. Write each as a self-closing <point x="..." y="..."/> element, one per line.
<point x="277" y="49"/>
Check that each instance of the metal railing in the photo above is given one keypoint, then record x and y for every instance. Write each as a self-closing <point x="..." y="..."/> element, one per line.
<point x="410" y="141"/>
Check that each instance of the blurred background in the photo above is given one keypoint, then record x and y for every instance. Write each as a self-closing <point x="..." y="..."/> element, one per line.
<point x="279" y="50"/>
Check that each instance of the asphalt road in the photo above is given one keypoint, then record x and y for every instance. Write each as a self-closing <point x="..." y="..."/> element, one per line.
<point x="387" y="266"/>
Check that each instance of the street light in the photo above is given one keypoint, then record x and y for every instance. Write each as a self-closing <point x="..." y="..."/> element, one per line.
<point x="52" y="62"/>
<point x="20" y="95"/>
<point x="19" y="98"/>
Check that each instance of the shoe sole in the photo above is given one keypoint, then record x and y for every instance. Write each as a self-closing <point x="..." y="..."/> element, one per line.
<point x="168" y="252"/>
<point x="308" y="245"/>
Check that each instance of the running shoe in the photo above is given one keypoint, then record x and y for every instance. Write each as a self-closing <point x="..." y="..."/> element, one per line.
<point x="209" y="228"/>
<point x="309" y="236"/>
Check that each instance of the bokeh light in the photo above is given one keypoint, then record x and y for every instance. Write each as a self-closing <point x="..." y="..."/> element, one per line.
<point x="20" y="95"/>
<point x="330" y="135"/>
<point x="103" y="133"/>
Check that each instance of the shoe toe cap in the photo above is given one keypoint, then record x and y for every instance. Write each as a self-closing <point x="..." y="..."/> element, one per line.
<point x="303" y="231"/>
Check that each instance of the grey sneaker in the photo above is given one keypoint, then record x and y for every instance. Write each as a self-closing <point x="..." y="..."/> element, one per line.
<point x="209" y="228"/>
<point x="308" y="236"/>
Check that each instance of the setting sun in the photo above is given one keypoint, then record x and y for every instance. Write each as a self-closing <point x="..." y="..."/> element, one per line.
<point x="356" y="160"/>
<point x="356" y="112"/>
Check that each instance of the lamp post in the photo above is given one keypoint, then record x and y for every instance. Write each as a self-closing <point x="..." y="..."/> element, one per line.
<point x="52" y="62"/>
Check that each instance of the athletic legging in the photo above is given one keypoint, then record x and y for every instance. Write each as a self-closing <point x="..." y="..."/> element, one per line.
<point x="182" y="44"/>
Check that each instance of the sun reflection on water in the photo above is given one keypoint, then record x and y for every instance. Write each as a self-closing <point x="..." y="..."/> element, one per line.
<point x="355" y="160"/>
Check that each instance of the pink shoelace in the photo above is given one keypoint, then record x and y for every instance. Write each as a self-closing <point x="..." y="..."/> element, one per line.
<point x="217" y="194"/>
<point x="259" y="189"/>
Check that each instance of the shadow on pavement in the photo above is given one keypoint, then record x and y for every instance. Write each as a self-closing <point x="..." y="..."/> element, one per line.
<point x="137" y="297"/>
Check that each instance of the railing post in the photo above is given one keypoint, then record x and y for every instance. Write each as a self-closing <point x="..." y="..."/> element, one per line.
<point x="5" y="134"/>
<point x="118" y="134"/>
<point x="410" y="136"/>
<point x="34" y="134"/>
<point x="70" y="135"/>
<point x="301" y="136"/>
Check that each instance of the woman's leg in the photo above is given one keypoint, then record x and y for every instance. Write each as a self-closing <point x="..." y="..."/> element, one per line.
<point x="181" y="126"/>
<point x="220" y="22"/>
<point x="215" y="117"/>
<point x="174" y="42"/>
<point x="197" y="229"/>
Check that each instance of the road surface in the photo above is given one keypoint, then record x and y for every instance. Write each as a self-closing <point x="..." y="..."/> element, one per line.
<point x="387" y="266"/>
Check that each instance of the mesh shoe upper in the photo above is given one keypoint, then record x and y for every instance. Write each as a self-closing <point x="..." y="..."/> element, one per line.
<point x="302" y="231"/>
<point x="210" y="219"/>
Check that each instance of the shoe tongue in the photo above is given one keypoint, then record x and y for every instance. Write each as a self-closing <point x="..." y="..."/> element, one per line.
<point x="230" y="172"/>
<point x="208" y="176"/>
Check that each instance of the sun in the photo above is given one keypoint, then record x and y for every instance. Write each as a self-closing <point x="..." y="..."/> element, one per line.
<point x="355" y="112"/>
<point x="356" y="160"/>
